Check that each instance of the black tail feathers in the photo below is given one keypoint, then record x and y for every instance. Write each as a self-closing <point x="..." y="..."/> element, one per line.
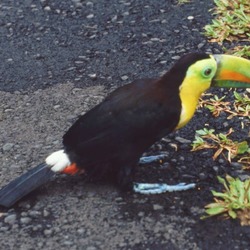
<point x="24" y="184"/>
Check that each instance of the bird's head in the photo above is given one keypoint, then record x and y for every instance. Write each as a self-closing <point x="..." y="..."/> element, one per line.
<point x="202" y="71"/>
<point x="194" y="73"/>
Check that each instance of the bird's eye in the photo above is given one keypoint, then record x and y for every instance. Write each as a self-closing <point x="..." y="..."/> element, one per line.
<point x="207" y="72"/>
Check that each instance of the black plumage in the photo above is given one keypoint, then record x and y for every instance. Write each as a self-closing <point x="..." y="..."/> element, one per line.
<point x="109" y="139"/>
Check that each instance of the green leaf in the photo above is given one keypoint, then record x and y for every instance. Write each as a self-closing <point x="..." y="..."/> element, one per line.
<point x="242" y="147"/>
<point x="241" y="190"/>
<point x="210" y="107"/>
<point x="221" y="195"/>
<point x="215" y="204"/>
<point x="223" y="182"/>
<point x="232" y="214"/>
<point x="216" y="210"/>
<point x="237" y="96"/>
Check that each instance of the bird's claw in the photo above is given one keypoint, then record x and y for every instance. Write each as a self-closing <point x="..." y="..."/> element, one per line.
<point x="159" y="188"/>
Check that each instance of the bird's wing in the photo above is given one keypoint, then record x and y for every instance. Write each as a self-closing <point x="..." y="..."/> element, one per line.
<point x="133" y="115"/>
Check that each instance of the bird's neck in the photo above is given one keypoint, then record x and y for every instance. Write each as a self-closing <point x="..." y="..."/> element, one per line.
<point x="189" y="99"/>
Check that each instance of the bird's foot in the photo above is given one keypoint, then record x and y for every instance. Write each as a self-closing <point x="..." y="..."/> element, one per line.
<point x="153" y="158"/>
<point x="159" y="188"/>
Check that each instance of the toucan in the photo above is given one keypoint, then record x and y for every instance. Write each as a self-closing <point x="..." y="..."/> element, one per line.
<point x="108" y="141"/>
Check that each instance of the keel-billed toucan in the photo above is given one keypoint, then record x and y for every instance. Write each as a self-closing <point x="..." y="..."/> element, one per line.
<point x="109" y="140"/>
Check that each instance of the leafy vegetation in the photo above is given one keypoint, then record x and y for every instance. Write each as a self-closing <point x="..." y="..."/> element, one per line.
<point x="206" y="138"/>
<point x="233" y="202"/>
<point x="217" y="105"/>
<point x="241" y="51"/>
<point x="231" y="23"/>
<point x="241" y="105"/>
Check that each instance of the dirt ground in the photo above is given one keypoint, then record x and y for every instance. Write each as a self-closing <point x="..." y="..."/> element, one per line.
<point x="59" y="59"/>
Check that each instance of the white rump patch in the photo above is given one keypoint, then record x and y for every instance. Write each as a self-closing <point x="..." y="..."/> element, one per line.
<point x="58" y="161"/>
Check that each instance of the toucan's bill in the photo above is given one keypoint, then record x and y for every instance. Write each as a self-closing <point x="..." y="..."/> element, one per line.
<point x="232" y="72"/>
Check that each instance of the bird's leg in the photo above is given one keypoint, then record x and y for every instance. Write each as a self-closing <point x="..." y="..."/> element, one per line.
<point x="153" y="158"/>
<point x="159" y="188"/>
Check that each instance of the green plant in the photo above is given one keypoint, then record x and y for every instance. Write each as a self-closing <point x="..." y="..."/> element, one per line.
<point x="231" y="23"/>
<point x="241" y="51"/>
<point x="205" y="138"/>
<point x="216" y="105"/>
<point x="241" y="105"/>
<point x="233" y="202"/>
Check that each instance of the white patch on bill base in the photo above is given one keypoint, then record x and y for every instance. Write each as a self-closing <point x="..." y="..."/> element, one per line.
<point x="58" y="161"/>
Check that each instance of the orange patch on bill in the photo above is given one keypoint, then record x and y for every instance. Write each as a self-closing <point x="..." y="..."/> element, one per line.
<point x="233" y="76"/>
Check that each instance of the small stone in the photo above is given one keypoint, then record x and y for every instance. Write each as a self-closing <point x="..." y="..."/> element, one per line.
<point x="225" y="124"/>
<point x="190" y="17"/>
<point x="181" y="158"/>
<point x="124" y="78"/>
<point x="93" y="76"/>
<point x="200" y="45"/>
<point x="221" y="161"/>
<point x="10" y="219"/>
<point x="126" y="13"/>
<point x="8" y="110"/>
<point x="163" y="62"/>
<point x="35" y="214"/>
<point x="40" y="245"/>
<point x="90" y="16"/>
<point x="141" y="214"/>
<point x="182" y="140"/>
<point x="68" y="243"/>
<point x="47" y="232"/>
<point x="89" y="4"/>
<point x="154" y="39"/>
<point x="202" y="176"/>
<point x="4" y="229"/>
<point x="81" y="231"/>
<point x="78" y="62"/>
<point x="175" y="57"/>
<point x="157" y="207"/>
<point x="165" y="165"/>
<point x="114" y="19"/>
<point x="47" y="8"/>
<point x="25" y="220"/>
<point x="216" y="169"/>
<point x="236" y="165"/>
<point x="8" y="147"/>
<point x="46" y="213"/>
<point x="118" y="199"/>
